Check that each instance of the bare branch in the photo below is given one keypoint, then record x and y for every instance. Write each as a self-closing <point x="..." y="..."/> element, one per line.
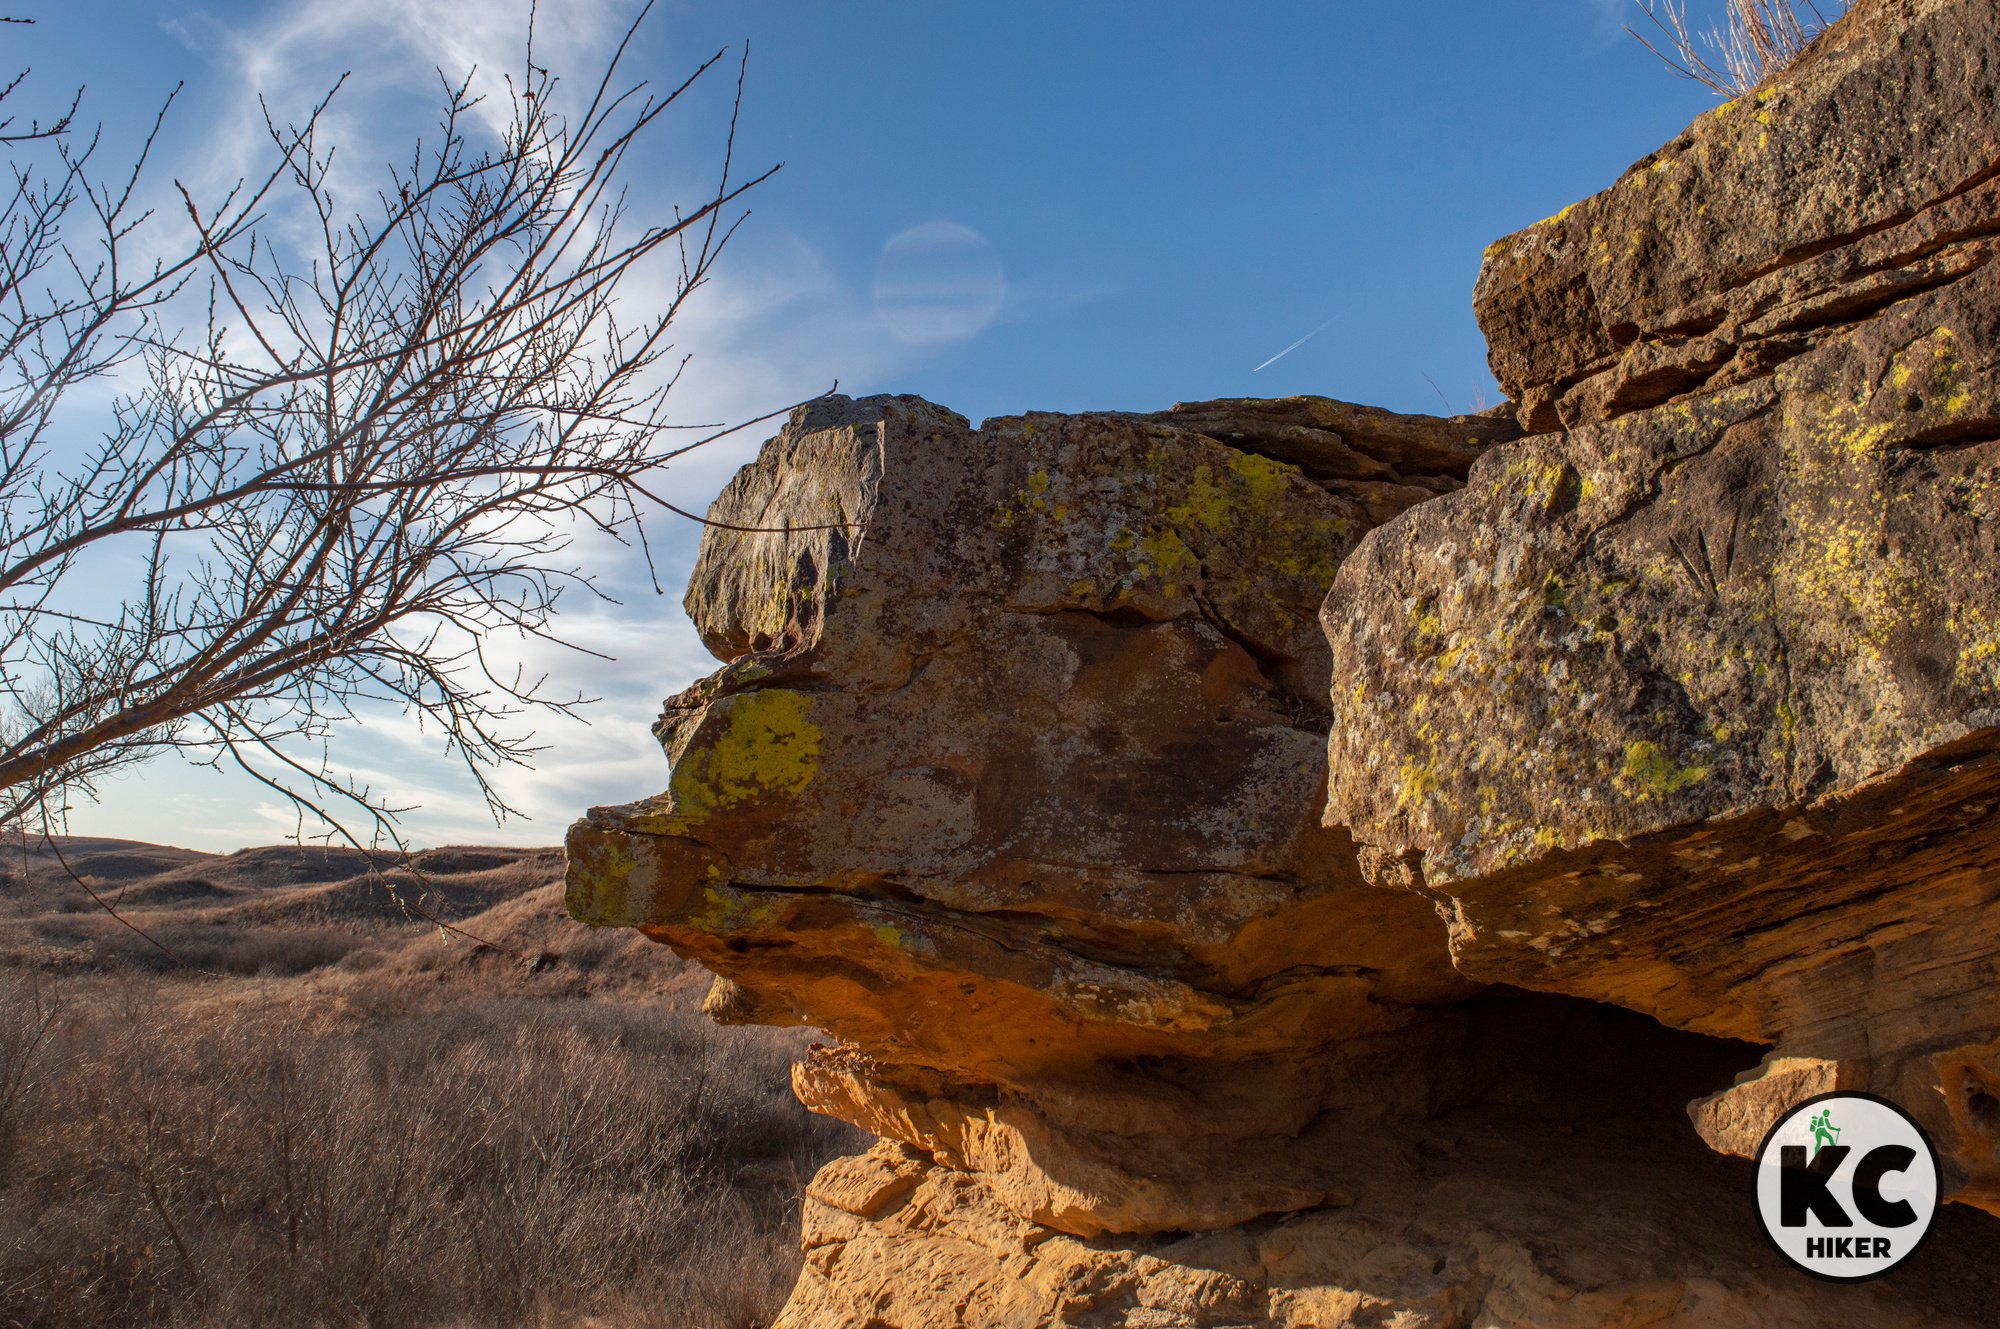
<point x="362" y="463"/>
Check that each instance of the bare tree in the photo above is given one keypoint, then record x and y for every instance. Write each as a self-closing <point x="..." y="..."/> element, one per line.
<point x="355" y="465"/>
<point x="1760" y="38"/>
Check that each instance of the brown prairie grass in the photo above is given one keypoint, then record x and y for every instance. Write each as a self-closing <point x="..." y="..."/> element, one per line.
<point x="1756" y="40"/>
<point x="339" y="1124"/>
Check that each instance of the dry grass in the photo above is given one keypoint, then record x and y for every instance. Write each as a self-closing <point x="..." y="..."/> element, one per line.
<point x="1758" y="38"/>
<point x="360" y="1122"/>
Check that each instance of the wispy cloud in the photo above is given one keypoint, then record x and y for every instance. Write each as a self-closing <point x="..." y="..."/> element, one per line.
<point x="775" y="324"/>
<point x="392" y="55"/>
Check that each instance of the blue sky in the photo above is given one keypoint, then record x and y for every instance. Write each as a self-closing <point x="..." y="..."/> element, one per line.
<point x="1052" y="206"/>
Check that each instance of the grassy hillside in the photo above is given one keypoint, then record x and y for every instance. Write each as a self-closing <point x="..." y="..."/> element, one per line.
<point x="320" y="1088"/>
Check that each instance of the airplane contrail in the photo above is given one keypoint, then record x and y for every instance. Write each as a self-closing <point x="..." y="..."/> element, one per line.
<point x="1294" y="346"/>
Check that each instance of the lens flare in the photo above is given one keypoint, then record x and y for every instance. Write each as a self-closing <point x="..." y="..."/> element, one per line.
<point x="938" y="282"/>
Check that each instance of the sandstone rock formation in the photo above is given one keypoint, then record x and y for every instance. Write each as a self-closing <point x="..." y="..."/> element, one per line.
<point x="1695" y="707"/>
<point x="1861" y="176"/>
<point x="1013" y="785"/>
<point x="1520" y="1213"/>
<point x="1169" y="913"/>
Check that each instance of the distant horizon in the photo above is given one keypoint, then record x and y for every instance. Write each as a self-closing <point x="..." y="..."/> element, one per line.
<point x="35" y="837"/>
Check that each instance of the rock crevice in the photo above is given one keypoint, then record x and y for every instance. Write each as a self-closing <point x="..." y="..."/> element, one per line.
<point x="1861" y="176"/>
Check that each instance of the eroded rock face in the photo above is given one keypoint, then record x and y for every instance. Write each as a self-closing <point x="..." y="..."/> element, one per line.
<point x="1866" y="173"/>
<point x="1572" y="1196"/>
<point x="1178" y="959"/>
<point x="1013" y="781"/>
<point x="1696" y="707"/>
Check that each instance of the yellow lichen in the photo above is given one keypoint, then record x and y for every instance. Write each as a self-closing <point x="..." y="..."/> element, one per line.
<point x="1417" y="781"/>
<point x="599" y="890"/>
<point x="768" y="748"/>
<point x="1560" y="216"/>
<point x="1977" y="654"/>
<point x="726" y="911"/>
<point x="1426" y="628"/>
<point x="1935" y="364"/>
<point x="1548" y="483"/>
<point x="1167" y="553"/>
<point x="1651" y="773"/>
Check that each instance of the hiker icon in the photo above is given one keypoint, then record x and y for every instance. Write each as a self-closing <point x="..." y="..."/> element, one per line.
<point x="1824" y="1131"/>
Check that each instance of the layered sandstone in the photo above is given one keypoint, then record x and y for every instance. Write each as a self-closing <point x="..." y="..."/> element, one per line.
<point x="1162" y="814"/>
<point x="1864" y="174"/>
<point x="1013" y="785"/>
<point x="1572" y="1197"/>
<point x="1695" y="707"/>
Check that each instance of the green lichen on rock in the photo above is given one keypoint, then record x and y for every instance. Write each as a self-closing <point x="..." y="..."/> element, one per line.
<point x="767" y="747"/>
<point x="598" y="882"/>
<point x="727" y="911"/>
<point x="1652" y="773"/>
<point x="1742" y="595"/>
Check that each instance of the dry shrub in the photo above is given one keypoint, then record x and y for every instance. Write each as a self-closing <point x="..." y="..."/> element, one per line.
<point x="493" y="1162"/>
<point x="28" y="1012"/>
<point x="220" y="947"/>
<point x="1759" y="39"/>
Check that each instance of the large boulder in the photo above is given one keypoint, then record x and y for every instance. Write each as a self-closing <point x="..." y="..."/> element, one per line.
<point x="1858" y="177"/>
<point x="1163" y="815"/>
<point x="1695" y="707"/>
<point x="1012" y="783"/>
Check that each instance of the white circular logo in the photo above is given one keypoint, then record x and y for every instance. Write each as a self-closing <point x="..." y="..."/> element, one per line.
<point x="1847" y="1186"/>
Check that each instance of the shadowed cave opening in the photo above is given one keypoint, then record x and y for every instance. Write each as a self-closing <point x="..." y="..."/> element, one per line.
<point x="1563" y="1121"/>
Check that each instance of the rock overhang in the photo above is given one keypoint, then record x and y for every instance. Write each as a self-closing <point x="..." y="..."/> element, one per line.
<point x="1682" y="703"/>
<point x="1690" y="702"/>
<point x="1013" y="775"/>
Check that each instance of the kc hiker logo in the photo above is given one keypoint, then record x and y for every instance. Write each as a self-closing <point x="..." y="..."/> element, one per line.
<point x="1847" y="1186"/>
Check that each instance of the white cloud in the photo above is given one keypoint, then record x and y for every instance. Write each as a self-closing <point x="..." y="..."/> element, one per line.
<point x="775" y="324"/>
<point x="391" y="53"/>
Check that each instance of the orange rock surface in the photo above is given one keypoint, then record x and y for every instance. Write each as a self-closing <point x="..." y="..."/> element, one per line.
<point x="1287" y="864"/>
